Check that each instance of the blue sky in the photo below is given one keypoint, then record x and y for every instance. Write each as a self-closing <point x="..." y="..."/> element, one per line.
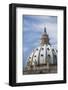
<point x="33" y="27"/>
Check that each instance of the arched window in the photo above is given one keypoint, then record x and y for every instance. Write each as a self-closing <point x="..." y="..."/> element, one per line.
<point x="42" y="48"/>
<point x="35" y="56"/>
<point x="48" y="49"/>
<point x="37" y="49"/>
<point x="41" y="54"/>
<point x="52" y="49"/>
<point x="29" y="57"/>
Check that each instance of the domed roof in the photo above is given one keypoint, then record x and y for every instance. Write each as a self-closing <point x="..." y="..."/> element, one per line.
<point x="40" y="54"/>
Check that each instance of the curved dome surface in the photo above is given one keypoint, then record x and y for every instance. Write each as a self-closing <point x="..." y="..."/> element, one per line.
<point x="42" y="55"/>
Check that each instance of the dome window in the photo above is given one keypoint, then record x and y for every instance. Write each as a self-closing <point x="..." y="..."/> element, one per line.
<point x="42" y="48"/>
<point x="41" y="54"/>
<point x="52" y="49"/>
<point x="29" y="57"/>
<point x="48" y="55"/>
<point x="48" y="49"/>
<point x="37" y="49"/>
<point x="56" y="51"/>
<point x="35" y="56"/>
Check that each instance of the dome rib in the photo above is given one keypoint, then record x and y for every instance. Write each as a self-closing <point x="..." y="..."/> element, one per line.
<point x="33" y="55"/>
<point x="39" y="56"/>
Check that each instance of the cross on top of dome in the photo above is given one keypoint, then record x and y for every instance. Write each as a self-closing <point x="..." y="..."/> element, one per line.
<point x="45" y="29"/>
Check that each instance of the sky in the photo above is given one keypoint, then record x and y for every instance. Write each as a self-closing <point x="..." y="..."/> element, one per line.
<point x="33" y="27"/>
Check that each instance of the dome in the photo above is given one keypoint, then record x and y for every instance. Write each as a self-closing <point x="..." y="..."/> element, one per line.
<point x="42" y="55"/>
